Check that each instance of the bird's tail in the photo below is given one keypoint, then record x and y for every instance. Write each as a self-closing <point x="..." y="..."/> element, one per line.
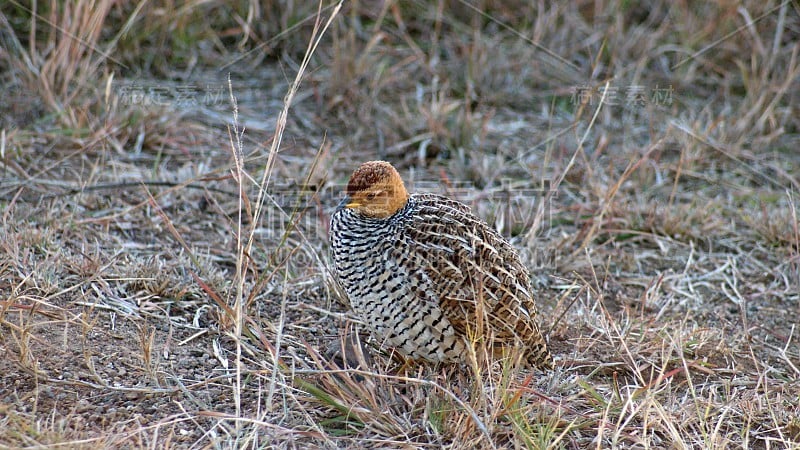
<point x="538" y="354"/>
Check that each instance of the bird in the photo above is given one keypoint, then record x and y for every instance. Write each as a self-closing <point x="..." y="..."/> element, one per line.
<point x="427" y="276"/>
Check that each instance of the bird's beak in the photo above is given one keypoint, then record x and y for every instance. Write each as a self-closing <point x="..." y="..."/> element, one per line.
<point x="347" y="202"/>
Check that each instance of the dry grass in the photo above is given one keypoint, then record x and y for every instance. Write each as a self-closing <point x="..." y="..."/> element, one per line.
<point x="168" y="172"/>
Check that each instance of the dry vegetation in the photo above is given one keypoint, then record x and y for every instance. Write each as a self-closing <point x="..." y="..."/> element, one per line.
<point x="168" y="171"/>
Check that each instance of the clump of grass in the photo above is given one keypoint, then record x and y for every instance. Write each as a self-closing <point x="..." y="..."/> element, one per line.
<point x="63" y="57"/>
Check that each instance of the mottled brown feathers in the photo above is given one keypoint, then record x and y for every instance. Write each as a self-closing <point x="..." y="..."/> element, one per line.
<point x="376" y="190"/>
<point x="369" y="174"/>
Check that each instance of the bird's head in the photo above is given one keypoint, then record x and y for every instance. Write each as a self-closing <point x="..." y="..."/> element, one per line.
<point x="375" y="190"/>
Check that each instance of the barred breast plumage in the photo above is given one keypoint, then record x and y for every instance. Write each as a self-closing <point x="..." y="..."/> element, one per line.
<point x="427" y="275"/>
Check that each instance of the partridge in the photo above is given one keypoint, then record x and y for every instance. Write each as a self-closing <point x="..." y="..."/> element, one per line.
<point x="428" y="276"/>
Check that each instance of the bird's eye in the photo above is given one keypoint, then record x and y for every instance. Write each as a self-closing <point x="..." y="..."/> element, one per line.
<point x="372" y="195"/>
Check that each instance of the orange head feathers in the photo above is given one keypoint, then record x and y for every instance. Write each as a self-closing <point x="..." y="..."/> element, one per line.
<point x="375" y="190"/>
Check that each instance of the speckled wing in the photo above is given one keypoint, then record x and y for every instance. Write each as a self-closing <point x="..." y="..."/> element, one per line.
<point x="482" y="286"/>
